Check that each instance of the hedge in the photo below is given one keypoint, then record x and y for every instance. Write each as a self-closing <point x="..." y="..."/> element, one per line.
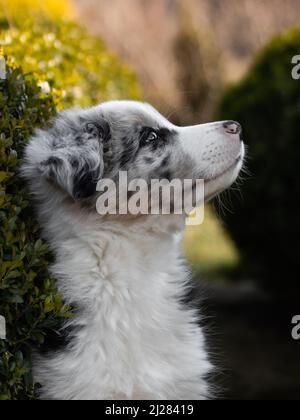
<point x="61" y="66"/>
<point x="75" y="66"/>
<point x="28" y="299"/>
<point x="266" y="227"/>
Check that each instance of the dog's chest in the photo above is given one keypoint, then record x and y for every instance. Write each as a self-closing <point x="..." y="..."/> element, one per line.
<point x="133" y="333"/>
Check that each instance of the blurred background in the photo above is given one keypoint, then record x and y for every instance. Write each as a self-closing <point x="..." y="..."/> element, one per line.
<point x="198" y="61"/>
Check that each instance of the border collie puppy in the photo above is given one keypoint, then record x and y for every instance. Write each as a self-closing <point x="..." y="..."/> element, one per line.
<point x="131" y="337"/>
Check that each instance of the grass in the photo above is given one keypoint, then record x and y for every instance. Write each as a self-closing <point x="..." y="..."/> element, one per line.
<point x="209" y="249"/>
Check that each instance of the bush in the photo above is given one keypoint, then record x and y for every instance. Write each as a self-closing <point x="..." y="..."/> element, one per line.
<point x="28" y="299"/>
<point x="267" y="226"/>
<point x="77" y="68"/>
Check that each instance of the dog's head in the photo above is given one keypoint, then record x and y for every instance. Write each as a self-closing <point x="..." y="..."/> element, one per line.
<point x="85" y="146"/>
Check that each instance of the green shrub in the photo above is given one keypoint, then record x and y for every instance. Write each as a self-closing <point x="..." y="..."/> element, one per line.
<point x="267" y="226"/>
<point x="77" y="68"/>
<point x="28" y="299"/>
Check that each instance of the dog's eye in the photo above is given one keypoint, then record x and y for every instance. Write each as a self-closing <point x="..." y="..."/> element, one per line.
<point x="152" y="136"/>
<point x="149" y="137"/>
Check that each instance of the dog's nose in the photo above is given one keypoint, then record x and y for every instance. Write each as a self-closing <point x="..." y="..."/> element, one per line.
<point x="232" y="127"/>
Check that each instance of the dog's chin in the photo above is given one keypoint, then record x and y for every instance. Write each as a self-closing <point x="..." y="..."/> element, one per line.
<point x="218" y="184"/>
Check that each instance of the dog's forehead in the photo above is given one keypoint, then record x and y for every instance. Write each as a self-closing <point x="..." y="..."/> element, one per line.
<point x="136" y="112"/>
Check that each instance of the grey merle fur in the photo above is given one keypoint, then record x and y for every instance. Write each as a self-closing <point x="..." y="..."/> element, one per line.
<point x="89" y="147"/>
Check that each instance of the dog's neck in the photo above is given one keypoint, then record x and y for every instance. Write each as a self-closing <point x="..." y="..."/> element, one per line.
<point x="121" y="254"/>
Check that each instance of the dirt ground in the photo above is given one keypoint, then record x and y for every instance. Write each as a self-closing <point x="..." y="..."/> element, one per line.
<point x="250" y="338"/>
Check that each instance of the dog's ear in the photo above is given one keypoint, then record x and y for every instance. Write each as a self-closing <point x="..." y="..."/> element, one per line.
<point x="76" y="168"/>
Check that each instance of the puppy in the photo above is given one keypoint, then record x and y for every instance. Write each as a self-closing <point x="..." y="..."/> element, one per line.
<point x="131" y="337"/>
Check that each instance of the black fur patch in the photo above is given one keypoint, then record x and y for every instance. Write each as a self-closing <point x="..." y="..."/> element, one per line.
<point x="85" y="184"/>
<point x="166" y="175"/>
<point x="149" y="160"/>
<point x="165" y="132"/>
<point x="97" y="129"/>
<point x="106" y="132"/>
<point x="52" y="165"/>
<point x="52" y="161"/>
<point x="165" y="161"/>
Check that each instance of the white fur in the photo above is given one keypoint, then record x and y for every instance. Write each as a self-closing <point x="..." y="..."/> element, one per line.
<point x="136" y="339"/>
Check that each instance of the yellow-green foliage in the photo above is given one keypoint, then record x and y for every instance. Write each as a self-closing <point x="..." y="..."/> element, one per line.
<point x="21" y="12"/>
<point x="78" y="68"/>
